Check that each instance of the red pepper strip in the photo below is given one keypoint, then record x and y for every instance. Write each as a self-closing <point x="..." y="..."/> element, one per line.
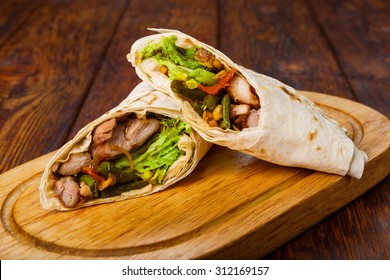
<point x="91" y="172"/>
<point x="223" y="82"/>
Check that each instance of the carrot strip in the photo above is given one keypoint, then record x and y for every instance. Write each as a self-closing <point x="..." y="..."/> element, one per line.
<point x="223" y="82"/>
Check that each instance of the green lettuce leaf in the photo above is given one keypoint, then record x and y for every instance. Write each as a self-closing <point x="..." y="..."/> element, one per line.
<point x="152" y="160"/>
<point x="178" y="60"/>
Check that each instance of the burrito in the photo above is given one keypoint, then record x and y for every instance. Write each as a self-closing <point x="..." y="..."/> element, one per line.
<point x="232" y="106"/>
<point x="140" y="147"/>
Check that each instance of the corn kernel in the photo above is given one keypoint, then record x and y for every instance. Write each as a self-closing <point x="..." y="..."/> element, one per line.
<point x="191" y="84"/>
<point x="213" y="123"/>
<point x="217" y="112"/>
<point x="181" y="76"/>
<point x="217" y="64"/>
<point x="148" y="174"/>
<point x="208" y="64"/>
<point x="207" y="115"/>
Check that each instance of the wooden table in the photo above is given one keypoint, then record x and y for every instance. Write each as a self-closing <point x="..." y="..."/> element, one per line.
<point x="63" y="63"/>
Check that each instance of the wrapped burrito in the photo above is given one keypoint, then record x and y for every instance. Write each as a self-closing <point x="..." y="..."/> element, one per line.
<point x="232" y="106"/>
<point x="140" y="147"/>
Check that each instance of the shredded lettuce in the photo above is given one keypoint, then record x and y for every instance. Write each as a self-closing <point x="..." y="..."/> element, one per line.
<point x="166" y="48"/>
<point x="178" y="60"/>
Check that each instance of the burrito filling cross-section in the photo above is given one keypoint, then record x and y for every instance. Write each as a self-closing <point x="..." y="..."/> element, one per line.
<point x="218" y="93"/>
<point x="125" y="154"/>
<point x="140" y="147"/>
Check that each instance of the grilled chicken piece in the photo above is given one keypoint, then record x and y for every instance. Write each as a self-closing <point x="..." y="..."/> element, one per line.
<point x="239" y="114"/>
<point x="118" y="138"/>
<point x="126" y="136"/>
<point x="241" y="92"/>
<point x="67" y="190"/>
<point x="238" y="110"/>
<point x="75" y="163"/>
<point x="253" y="118"/>
<point x="139" y="130"/>
<point x="104" y="150"/>
<point x="243" y="116"/>
<point x="104" y="131"/>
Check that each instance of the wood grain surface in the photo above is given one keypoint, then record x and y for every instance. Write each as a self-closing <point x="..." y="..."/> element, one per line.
<point x="62" y="64"/>
<point x="222" y="210"/>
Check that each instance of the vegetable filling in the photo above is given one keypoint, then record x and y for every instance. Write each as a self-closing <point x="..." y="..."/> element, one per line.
<point x="218" y="93"/>
<point x="125" y="154"/>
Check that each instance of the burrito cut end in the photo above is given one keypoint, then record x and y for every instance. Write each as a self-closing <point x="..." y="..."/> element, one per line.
<point x="135" y="149"/>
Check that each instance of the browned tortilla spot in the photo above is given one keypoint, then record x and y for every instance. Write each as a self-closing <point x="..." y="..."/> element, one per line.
<point x="312" y="134"/>
<point x="292" y="95"/>
<point x="318" y="148"/>
<point x="153" y="99"/>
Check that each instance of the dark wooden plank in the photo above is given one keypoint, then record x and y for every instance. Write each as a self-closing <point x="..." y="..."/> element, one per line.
<point x="281" y="39"/>
<point x="12" y="15"/>
<point x="46" y="69"/>
<point x="359" y="32"/>
<point x="117" y="77"/>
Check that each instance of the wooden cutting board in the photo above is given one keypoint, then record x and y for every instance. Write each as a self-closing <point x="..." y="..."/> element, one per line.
<point x="231" y="206"/>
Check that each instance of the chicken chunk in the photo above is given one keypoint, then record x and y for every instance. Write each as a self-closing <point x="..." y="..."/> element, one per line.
<point x="244" y="116"/>
<point x="139" y="130"/>
<point x="253" y="118"/>
<point x="67" y="190"/>
<point x="126" y="136"/>
<point x="104" y="131"/>
<point x="75" y="163"/>
<point x="238" y="110"/>
<point x="240" y="90"/>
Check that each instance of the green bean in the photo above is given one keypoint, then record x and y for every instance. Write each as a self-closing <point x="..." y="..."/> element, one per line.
<point x="210" y="101"/>
<point x="119" y="169"/>
<point x="87" y="179"/>
<point x="193" y="94"/>
<point x="104" y="168"/>
<point x="225" y="122"/>
<point x="121" y="188"/>
<point x="198" y="107"/>
<point x="125" y="175"/>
